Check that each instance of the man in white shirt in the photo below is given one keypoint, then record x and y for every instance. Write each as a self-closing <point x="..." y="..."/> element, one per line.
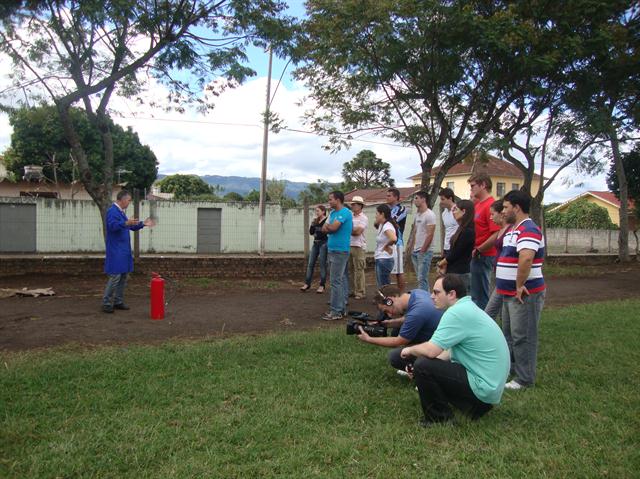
<point x="421" y="239"/>
<point x="358" y="248"/>
<point x="447" y="200"/>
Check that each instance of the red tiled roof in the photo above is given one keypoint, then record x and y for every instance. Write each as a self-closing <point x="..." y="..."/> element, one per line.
<point x="376" y="196"/>
<point x="606" y="196"/>
<point x="609" y="198"/>
<point x="493" y="167"/>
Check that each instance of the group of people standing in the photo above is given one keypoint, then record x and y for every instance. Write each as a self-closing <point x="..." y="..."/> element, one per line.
<point x="499" y="236"/>
<point x="340" y="246"/>
<point x="449" y="341"/>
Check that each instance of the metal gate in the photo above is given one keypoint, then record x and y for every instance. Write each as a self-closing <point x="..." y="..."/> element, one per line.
<point x="17" y="228"/>
<point x="209" y="230"/>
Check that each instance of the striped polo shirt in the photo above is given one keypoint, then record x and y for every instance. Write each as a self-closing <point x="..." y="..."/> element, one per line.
<point x="525" y="235"/>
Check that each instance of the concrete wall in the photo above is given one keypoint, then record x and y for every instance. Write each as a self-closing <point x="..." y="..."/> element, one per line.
<point x="582" y="241"/>
<point x="66" y="226"/>
<point x="74" y="226"/>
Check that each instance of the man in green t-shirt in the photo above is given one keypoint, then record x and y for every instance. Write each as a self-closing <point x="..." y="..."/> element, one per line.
<point x="466" y="361"/>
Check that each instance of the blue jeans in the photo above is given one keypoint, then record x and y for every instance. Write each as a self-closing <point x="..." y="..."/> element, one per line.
<point x="338" y="261"/>
<point x="494" y="306"/>
<point x="520" y="328"/>
<point x="114" y="292"/>
<point x="421" y="265"/>
<point x="318" y="251"/>
<point x="481" y="268"/>
<point x="384" y="266"/>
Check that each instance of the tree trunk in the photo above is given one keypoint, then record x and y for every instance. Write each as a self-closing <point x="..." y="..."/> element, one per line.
<point x="623" y="236"/>
<point x="536" y="209"/>
<point x="99" y="192"/>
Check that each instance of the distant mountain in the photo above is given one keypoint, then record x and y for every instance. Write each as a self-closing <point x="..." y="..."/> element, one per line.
<point x="243" y="185"/>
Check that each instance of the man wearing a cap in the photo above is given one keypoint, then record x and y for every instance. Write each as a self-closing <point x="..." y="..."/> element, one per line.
<point x="357" y="258"/>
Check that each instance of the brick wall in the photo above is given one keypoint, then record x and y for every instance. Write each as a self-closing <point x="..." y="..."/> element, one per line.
<point x="173" y="266"/>
<point x="227" y="266"/>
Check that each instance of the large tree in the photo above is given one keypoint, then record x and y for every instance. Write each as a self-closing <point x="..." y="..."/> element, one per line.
<point x="539" y="136"/>
<point x="631" y="165"/>
<point x="86" y="51"/>
<point x="366" y="170"/>
<point x="434" y="75"/>
<point x="605" y="84"/>
<point x="586" y="102"/>
<point x="185" y="187"/>
<point x="38" y="139"/>
<point x="317" y="193"/>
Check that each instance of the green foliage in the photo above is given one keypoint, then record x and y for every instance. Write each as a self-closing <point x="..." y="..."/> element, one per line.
<point x="285" y="405"/>
<point x="432" y="75"/>
<point x="233" y="196"/>
<point x="366" y="170"/>
<point x="87" y="52"/>
<point x="187" y="187"/>
<point x="38" y="139"/>
<point x="631" y="165"/>
<point x="581" y="214"/>
<point x="275" y="190"/>
<point x="254" y="196"/>
<point x="317" y="193"/>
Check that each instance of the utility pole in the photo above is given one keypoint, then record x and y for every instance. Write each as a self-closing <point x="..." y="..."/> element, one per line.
<point x="263" y="176"/>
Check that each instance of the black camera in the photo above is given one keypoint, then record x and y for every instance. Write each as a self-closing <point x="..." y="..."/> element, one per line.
<point x="373" y="330"/>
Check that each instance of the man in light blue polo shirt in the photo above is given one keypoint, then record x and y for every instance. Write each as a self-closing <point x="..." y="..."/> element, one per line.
<point x="338" y="227"/>
<point x="466" y="362"/>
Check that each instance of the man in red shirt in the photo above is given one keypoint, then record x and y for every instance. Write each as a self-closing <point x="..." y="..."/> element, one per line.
<point x="484" y="252"/>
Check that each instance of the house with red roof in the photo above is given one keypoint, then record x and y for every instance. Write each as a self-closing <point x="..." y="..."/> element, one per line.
<point x="504" y="175"/>
<point x="377" y="196"/>
<point x="605" y="199"/>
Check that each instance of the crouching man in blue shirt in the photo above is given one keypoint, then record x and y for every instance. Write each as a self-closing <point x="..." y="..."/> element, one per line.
<point x="466" y="361"/>
<point x="415" y="315"/>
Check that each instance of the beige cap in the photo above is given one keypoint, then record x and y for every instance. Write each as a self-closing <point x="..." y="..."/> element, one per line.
<point x="357" y="199"/>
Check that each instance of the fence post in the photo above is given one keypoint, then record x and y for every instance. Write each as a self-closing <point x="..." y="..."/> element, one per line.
<point x="609" y="242"/>
<point x="136" y="214"/>
<point x="305" y="211"/>
<point x="566" y="241"/>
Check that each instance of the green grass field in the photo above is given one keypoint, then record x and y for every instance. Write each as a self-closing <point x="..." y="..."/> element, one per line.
<point x="318" y="404"/>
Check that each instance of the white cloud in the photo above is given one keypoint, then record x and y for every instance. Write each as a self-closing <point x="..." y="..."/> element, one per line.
<point x="228" y="140"/>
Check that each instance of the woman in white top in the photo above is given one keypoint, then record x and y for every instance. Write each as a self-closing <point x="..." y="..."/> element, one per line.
<point x="385" y="245"/>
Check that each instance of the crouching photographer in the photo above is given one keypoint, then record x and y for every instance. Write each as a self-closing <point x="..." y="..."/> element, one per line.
<point x="412" y="312"/>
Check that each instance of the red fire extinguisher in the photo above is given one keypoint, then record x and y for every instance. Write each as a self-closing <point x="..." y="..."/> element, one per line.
<point x="157" y="296"/>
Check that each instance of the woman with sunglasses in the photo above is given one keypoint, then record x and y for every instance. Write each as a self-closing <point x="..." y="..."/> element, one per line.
<point x="458" y="259"/>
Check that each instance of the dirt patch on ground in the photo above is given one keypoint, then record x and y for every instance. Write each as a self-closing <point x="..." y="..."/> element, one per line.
<point x="210" y="308"/>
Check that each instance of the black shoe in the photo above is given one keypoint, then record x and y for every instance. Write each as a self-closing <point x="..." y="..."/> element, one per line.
<point x="121" y="306"/>
<point x="107" y="309"/>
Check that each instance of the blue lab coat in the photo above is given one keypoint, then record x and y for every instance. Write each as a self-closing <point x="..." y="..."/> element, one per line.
<point x="118" y="258"/>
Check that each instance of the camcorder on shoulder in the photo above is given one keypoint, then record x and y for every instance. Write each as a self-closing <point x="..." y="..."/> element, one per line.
<point x="362" y="320"/>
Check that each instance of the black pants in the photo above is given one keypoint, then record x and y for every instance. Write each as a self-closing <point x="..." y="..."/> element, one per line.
<point x="397" y="361"/>
<point x="443" y="383"/>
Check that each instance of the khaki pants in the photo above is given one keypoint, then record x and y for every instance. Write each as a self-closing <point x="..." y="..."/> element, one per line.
<point x="357" y="262"/>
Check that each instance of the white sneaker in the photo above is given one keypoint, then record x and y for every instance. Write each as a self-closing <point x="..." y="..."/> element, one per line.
<point x="514" y="385"/>
<point x="402" y="372"/>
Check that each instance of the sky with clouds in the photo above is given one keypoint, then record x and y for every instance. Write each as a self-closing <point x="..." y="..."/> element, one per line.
<point x="228" y="140"/>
